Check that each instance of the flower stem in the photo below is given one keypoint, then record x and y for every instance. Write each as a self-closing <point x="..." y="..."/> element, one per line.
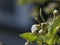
<point x="41" y="15"/>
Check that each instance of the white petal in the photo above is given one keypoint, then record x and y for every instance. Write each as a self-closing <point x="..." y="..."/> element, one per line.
<point x="34" y="28"/>
<point x="40" y="31"/>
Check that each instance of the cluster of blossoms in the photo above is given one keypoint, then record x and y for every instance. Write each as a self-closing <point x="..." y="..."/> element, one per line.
<point x="42" y="27"/>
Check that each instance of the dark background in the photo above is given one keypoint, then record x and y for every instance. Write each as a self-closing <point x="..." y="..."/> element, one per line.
<point x="14" y="20"/>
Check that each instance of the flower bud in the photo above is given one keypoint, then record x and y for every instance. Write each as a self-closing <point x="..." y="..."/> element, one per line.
<point x="37" y="20"/>
<point x="44" y="27"/>
<point x="40" y="31"/>
<point x="35" y="28"/>
<point x="55" y="13"/>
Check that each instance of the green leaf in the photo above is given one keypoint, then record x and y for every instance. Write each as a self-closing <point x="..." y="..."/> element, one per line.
<point x="56" y="22"/>
<point x="28" y="36"/>
<point x="49" y="37"/>
<point x="56" y="39"/>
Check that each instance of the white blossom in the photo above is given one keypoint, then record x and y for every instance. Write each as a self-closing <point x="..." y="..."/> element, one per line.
<point x="34" y="28"/>
<point x="40" y="31"/>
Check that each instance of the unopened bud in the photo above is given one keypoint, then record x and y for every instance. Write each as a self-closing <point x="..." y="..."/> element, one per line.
<point x="55" y="13"/>
<point x="37" y="20"/>
<point x="44" y="27"/>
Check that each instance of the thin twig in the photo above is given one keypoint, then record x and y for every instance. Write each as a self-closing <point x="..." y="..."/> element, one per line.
<point x="41" y="15"/>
